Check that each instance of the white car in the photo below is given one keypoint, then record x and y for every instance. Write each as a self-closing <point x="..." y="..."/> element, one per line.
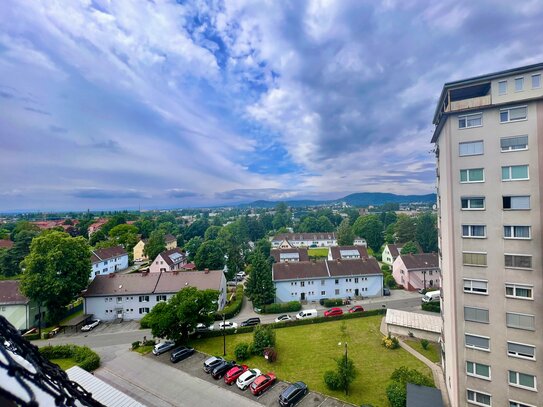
<point x="247" y="378"/>
<point x="90" y="326"/>
<point x="163" y="347"/>
<point x="227" y="325"/>
<point x="202" y="328"/>
<point x="283" y="318"/>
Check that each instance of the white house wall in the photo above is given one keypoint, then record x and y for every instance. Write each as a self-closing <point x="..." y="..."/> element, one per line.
<point x="110" y="266"/>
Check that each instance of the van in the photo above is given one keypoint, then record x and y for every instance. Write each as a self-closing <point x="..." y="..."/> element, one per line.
<point x="431" y="296"/>
<point x="307" y="313"/>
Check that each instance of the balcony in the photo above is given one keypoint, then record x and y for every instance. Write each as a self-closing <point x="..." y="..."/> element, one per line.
<point x="467" y="98"/>
<point x="471" y="103"/>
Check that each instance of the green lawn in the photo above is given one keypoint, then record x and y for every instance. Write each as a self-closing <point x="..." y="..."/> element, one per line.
<point x="318" y="252"/>
<point x="144" y="350"/>
<point x="306" y="352"/>
<point x="431" y="353"/>
<point x="64" y="363"/>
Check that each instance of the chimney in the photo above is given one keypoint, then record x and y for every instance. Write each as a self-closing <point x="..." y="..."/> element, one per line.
<point x="206" y="271"/>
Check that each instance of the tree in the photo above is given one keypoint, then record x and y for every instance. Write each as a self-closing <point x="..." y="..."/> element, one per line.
<point x="343" y="376"/>
<point x="345" y="235"/>
<point x="308" y="225"/>
<point x="212" y="232"/>
<point x="125" y="235"/>
<point x="427" y="232"/>
<point x="235" y="262"/>
<point x="56" y="271"/>
<point x="10" y="261"/>
<point x="255" y="229"/>
<point x="389" y="233"/>
<point x="209" y="256"/>
<point x="96" y="237"/>
<point x="197" y="228"/>
<point x="192" y="246"/>
<point x="155" y="245"/>
<point x="115" y="220"/>
<point x="397" y="389"/>
<point x="177" y="317"/>
<point x="145" y="227"/>
<point x="282" y="216"/>
<point x="263" y="337"/>
<point x="388" y="218"/>
<point x="324" y="224"/>
<point x="405" y="228"/>
<point x="370" y="228"/>
<point x="410" y="247"/>
<point x="259" y="287"/>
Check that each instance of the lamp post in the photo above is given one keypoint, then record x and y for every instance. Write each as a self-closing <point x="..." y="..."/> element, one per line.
<point x="224" y="334"/>
<point x="345" y="371"/>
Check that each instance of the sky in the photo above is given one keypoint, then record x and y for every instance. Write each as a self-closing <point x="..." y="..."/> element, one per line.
<point x="162" y="104"/>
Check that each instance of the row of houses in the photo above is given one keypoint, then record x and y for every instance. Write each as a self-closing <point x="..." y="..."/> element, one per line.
<point x="325" y="239"/>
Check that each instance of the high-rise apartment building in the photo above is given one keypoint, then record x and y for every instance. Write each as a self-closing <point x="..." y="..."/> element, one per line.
<point x="489" y="148"/>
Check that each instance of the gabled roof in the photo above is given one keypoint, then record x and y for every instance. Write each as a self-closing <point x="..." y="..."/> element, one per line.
<point x="325" y="269"/>
<point x="420" y="261"/>
<point x="169" y="238"/>
<point x="305" y="236"/>
<point x="302" y="253"/>
<point x="353" y="267"/>
<point x="395" y="248"/>
<point x="10" y="293"/>
<point x="172" y="282"/>
<point x="107" y="253"/>
<point x="338" y="252"/>
<point x="6" y="244"/>
<point x="173" y="256"/>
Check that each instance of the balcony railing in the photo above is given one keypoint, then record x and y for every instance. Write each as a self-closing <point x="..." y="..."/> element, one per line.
<point x="470" y="103"/>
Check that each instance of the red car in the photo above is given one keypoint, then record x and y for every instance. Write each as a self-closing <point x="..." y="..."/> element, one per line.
<point x="231" y="376"/>
<point x="262" y="383"/>
<point x="356" y="308"/>
<point x="333" y="312"/>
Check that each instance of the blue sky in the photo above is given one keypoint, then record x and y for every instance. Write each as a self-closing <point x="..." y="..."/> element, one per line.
<point x="116" y="104"/>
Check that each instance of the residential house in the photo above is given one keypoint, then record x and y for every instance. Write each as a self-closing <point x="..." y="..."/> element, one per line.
<point x="291" y="254"/>
<point x="288" y="240"/>
<point x="108" y="260"/>
<point x="360" y="241"/>
<point x="95" y="226"/>
<point x="417" y="271"/>
<point x="347" y="253"/>
<point x="315" y="280"/>
<point x="6" y="244"/>
<point x="392" y="251"/>
<point x="19" y="310"/>
<point x="132" y="296"/>
<point x="169" y="260"/>
<point x="170" y="240"/>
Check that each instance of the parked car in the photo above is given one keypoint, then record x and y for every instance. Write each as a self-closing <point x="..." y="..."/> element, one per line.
<point x="247" y="378"/>
<point x="181" y="353"/>
<point x="333" y="312"/>
<point x="292" y="394"/>
<point x="386" y="291"/>
<point x="283" y="318"/>
<point x="431" y="296"/>
<point x="91" y="325"/>
<point x="202" y="328"/>
<point x="220" y="370"/>
<point x="162" y="347"/>
<point x="231" y="283"/>
<point x="262" y="383"/>
<point x="251" y="322"/>
<point x="231" y="376"/>
<point x="307" y="313"/>
<point x="241" y="275"/>
<point x="212" y="363"/>
<point x="227" y="325"/>
<point x="356" y="308"/>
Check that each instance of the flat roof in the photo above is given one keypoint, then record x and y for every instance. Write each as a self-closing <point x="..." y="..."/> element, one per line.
<point x="423" y="396"/>
<point x="423" y="322"/>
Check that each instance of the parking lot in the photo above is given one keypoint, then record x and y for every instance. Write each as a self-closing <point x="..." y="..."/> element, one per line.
<point x="104" y="328"/>
<point x="194" y="366"/>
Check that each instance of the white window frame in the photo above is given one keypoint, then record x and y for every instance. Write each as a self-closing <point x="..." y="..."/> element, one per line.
<point x="475" y="347"/>
<point x="516" y="355"/>
<point x="515" y="403"/>
<point x="499" y="88"/>
<point x="520" y="386"/>
<point x="470" y="235"/>
<point x="474" y="374"/>
<point x="521" y="79"/>
<point x="471" y="142"/>
<point x="508" y="109"/>
<point x="517" y="327"/>
<point x="474" y="265"/>
<point x="474" y="320"/>
<point x="514" y="286"/>
<point x="467" y="117"/>
<point x="532" y="82"/>
<point x="476" y="402"/>
<point x="512" y="198"/>
<point x="470" y="291"/>
<point x="512" y="150"/>
<point x="511" y="179"/>
<point x="467" y="175"/>
<point x="469" y="198"/>
<point x="519" y="255"/>
<point x="512" y="230"/>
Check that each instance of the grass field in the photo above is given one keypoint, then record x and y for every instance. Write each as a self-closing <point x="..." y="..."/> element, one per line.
<point x="64" y="363"/>
<point x="144" y="350"/>
<point x="431" y="353"/>
<point x="318" y="252"/>
<point x="306" y="352"/>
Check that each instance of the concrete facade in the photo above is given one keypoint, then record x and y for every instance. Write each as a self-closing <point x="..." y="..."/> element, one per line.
<point x="491" y="263"/>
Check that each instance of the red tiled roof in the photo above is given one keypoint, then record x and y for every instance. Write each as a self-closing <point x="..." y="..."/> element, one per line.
<point x="302" y="253"/>
<point x="6" y="244"/>
<point x="107" y="253"/>
<point x="336" y="251"/>
<point x="10" y="294"/>
<point x="324" y="269"/>
<point x="172" y="282"/>
<point x="420" y="261"/>
<point x="167" y="253"/>
<point x="395" y="248"/>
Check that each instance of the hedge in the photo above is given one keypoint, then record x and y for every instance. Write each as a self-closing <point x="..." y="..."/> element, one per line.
<point x="232" y="309"/>
<point x="279" y="308"/>
<point x="83" y="356"/>
<point x="333" y="302"/>
<point x="431" y="306"/>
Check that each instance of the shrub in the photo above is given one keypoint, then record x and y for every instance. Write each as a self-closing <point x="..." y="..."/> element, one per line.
<point x="135" y="345"/>
<point x="279" y="308"/>
<point x="232" y="309"/>
<point x="385" y="268"/>
<point x="331" y="379"/>
<point x="242" y="351"/>
<point x="431" y="306"/>
<point x="390" y="342"/>
<point x="83" y="356"/>
<point x="424" y="343"/>
<point x="149" y="342"/>
<point x="397" y="390"/>
<point x="321" y="301"/>
<point x="389" y="281"/>
<point x="263" y="337"/>
<point x="144" y="322"/>
<point x="333" y="302"/>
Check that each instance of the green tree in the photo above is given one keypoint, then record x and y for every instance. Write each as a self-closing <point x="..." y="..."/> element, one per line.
<point x="309" y="224"/>
<point x="192" y="246"/>
<point x="10" y="261"/>
<point x="263" y="337"/>
<point x="343" y="376"/>
<point x="405" y="228"/>
<point x="426" y="234"/>
<point x="209" y="256"/>
<point x="235" y="262"/>
<point x="145" y="227"/>
<point x="117" y="219"/>
<point x="255" y="229"/>
<point x="56" y="271"/>
<point x="345" y="235"/>
<point x="397" y="389"/>
<point x="370" y="228"/>
<point x="388" y="218"/>
<point x="259" y="287"/>
<point x="324" y="224"/>
<point x="177" y="317"/>
<point x="125" y="235"/>
<point x="155" y="245"/>
<point x="197" y="228"/>
<point x="281" y="218"/>
<point x="410" y="247"/>
<point x="96" y="237"/>
<point x="389" y="233"/>
<point x="212" y="232"/>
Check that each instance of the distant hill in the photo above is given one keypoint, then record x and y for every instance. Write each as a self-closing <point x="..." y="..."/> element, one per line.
<point x="358" y="199"/>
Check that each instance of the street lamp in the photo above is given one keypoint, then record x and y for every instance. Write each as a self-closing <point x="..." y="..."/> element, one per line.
<point x="345" y="371"/>
<point x="224" y="334"/>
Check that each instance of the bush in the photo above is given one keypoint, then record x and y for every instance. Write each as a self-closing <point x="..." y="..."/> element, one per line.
<point x="397" y="389"/>
<point x="389" y="281"/>
<point x="332" y="381"/>
<point x="333" y="302"/>
<point x="144" y="322"/>
<point x="280" y="308"/>
<point x="424" y="343"/>
<point x="242" y="351"/>
<point x="263" y="337"/>
<point x="385" y="268"/>
<point x="135" y="345"/>
<point x="431" y="306"/>
<point x="149" y="342"/>
<point x="321" y="301"/>
<point x="83" y="356"/>
<point x="232" y="309"/>
<point x="390" y="342"/>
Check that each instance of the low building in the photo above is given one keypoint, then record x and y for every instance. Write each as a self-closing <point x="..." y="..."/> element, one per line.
<point x="347" y="253"/>
<point x="96" y="226"/>
<point x="138" y="251"/>
<point x="169" y="260"/>
<point x="392" y="251"/>
<point x="417" y="271"/>
<point x="289" y="240"/>
<point x="405" y="323"/>
<point x="360" y="241"/>
<point x="131" y="296"/>
<point x="315" y="280"/>
<point x="170" y="241"/>
<point x="108" y="260"/>
<point x="291" y="254"/>
<point x="20" y="311"/>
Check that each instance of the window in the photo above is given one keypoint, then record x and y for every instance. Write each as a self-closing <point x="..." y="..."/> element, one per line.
<point x="518" y="404"/>
<point x="526" y="381"/>
<point x="473" y="204"/>
<point x="477" y="342"/>
<point x="518" y="203"/>
<point x="478" y="370"/>
<point x="536" y="81"/>
<point x="514" y="143"/>
<point x="119" y="300"/>
<point x="520" y="261"/>
<point x="473" y="259"/>
<point x="516" y="232"/>
<point x="524" y="292"/>
<point x="471" y="148"/>
<point x="515" y="172"/>
<point x="323" y="292"/>
<point x="513" y="114"/>
<point x="520" y="321"/>
<point x="519" y="350"/>
<point x="519" y="84"/>
<point x="470" y="120"/>
<point x="337" y="281"/>
<point x="323" y="282"/>
<point x="475" y="231"/>
<point x="476" y="315"/>
<point x="475" y="286"/>
<point x="472" y="175"/>
<point x="144" y="310"/>
<point x="160" y="298"/>
<point x="502" y="87"/>
<point x="144" y="298"/>
<point x="478" y="398"/>
<point x="337" y="291"/>
<point x="302" y="283"/>
<point x="356" y="280"/>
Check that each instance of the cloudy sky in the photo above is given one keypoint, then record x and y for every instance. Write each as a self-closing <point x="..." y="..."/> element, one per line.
<point x="122" y="103"/>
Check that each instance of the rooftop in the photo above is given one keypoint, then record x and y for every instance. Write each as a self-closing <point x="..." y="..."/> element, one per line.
<point x="420" y="261"/>
<point x="325" y="269"/>
<point x="10" y="294"/>
<point x="424" y="322"/>
<point x="340" y="252"/>
<point x="305" y="236"/>
<point x="6" y="244"/>
<point x="107" y="253"/>
<point x="173" y="256"/>
<point x="297" y="253"/>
